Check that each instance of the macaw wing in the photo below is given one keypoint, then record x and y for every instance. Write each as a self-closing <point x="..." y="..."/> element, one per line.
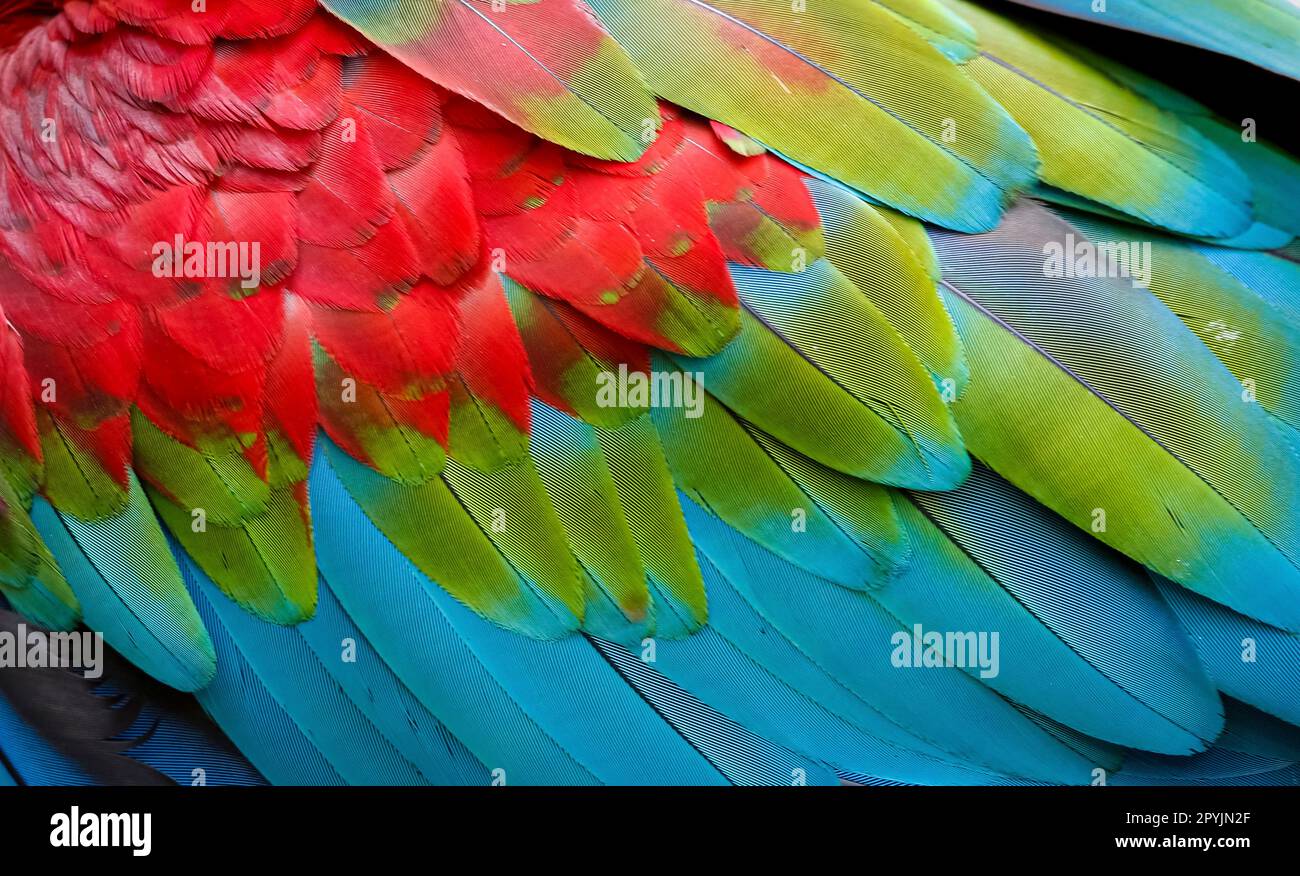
<point x="1263" y="32"/>
<point x="556" y="441"/>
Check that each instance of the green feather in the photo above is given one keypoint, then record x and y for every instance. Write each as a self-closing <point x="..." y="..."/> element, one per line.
<point x="1099" y="403"/>
<point x="29" y="577"/>
<point x="942" y="28"/>
<point x="550" y="70"/>
<point x="820" y="368"/>
<point x="845" y="88"/>
<point x="74" y="479"/>
<point x="569" y="354"/>
<point x="572" y="465"/>
<point x="1256" y="342"/>
<point x="1274" y="175"/>
<point x="913" y="234"/>
<point x="649" y="498"/>
<point x="490" y="540"/>
<point x="481" y="435"/>
<point x="868" y="249"/>
<point x="1099" y="140"/>
<point x="389" y="446"/>
<point x="838" y="527"/>
<point x="265" y="562"/>
<point x="222" y="483"/>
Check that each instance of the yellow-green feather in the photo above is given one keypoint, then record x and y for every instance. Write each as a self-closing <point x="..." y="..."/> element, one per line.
<point x="1104" y="142"/>
<point x="845" y="88"/>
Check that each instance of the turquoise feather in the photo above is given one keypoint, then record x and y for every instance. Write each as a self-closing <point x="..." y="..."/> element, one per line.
<point x="278" y="665"/>
<point x="386" y="702"/>
<point x="1247" y="660"/>
<point x="746" y="668"/>
<point x="851" y="637"/>
<point x="1254" y="749"/>
<point x="744" y="758"/>
<point x="127" y="581"/>
<point x="1084" y="638"/>
<point x="494" y="689"/>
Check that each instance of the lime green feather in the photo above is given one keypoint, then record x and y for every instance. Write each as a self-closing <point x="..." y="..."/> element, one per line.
<point x="222" y="483"/>
<point x="74" y="480"/>
<point x="1274" y="175"/>
<point x="839" y="527"/>
<point x="490" y="540"/>
<point x="1256" y="342"/>
<point x="29" y="577"/>
<point x="649" y="498"/>
<point x="845" y="88"/>
<point x="265" y="561"/>
<point x="572" y="465"/>
<point x="870" y="252"/>
<point x="569" y="354"/>
<point x="819" y="367"/>
<point x="252" y="538"/>
<point x="942" y="28"/>
<point x="1093" y="398"/>
<point x="1102" y="141"/>
<point x="913" y="234"/>
<point x="480" y="433"/>
<point x="390" y="446"/>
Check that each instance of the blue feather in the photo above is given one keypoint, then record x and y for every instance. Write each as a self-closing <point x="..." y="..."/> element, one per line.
<point x="129" y="589"/>
<point x="186" y="752"/>
<point x="1084" y="638"/>
<point x="745" y="668"/>
<point x="1247" y="660"/>
<point x="543" y="712"/>
<point x="28" y="758"/>
<point x="276" y="665"/>
<point x="1255" y="749"/>
<point x="1271" y="277"/>
<point x="377" y="691"/>
<point x="850" y="636"/>
<point x="745" y="759"/>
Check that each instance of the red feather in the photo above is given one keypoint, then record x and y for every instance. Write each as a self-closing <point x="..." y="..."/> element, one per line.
<point x="17" y="413"/>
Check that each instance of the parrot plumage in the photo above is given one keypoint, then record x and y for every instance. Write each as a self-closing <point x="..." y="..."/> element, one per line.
<point x="611" y="392"/>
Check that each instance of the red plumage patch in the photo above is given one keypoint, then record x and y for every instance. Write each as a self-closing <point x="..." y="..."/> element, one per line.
<point x="17" y="413"/>
<point x="366" y="217"/>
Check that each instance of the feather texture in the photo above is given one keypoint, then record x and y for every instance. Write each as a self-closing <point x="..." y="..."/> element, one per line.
<point x="493" y="692"/>
<point x="1044" y="362"/>
<point x="898" y="271"/>
<point x="563" y="434"/>
<point x="1263" y="32"/>
<point x="819" y="367"/>
<point x="1255" y="340"/>
<point x="557" y="73"/>
<point x="813" y="84"/>
<point x="989" y="558"/>
<point x="118" y="728"/>
<point x="1093" y="134"/>
<point x="819" y="519"/>
<point x="130" y="589"/>
<point x="1249" y="661"/>
<point x="836" y="627"/>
